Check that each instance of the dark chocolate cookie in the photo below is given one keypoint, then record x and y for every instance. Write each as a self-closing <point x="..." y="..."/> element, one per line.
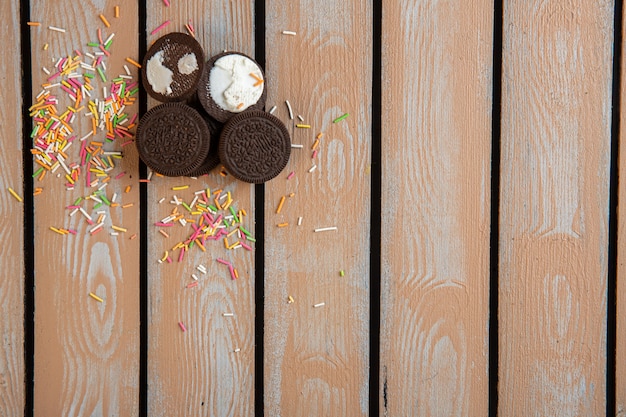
<point x="172" y="67"/>
<point x="254" y="146"/>
<point x="173" y="139"/>
<point x="209" y="104"/>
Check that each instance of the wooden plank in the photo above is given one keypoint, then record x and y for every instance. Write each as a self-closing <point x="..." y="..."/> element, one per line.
<point x="198" y="372"/>
<point x="556" y="110"/>
<point x="316" y="358"/>
<point x="86" y="351"/>
<point x="620" y="351"/>
<point x="436" y="130"/>
<point x="12" y="234"/>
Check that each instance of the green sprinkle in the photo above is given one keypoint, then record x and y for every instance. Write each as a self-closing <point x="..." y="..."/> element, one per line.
<point x="191" y="244"/>
<point x="341" y="273"/>
<point x="134" y="91"/>
<point x="97" y="206"/>
<point x="117" y="80"/>
<point x="123" y="89"/>
<point x="101" y="74"/>
<point x="251" y="239"/>
<point x="78" y="200"/>
<point x="93" y="44"/>
<point x="245" y="232"/>
<point x="232" y="211"/>
<point x="213" y="208"/>
<point x="106" y="201"/>
<point x="186" y="206"/>
<point x="88" y="75"/>
<point x="226" y="223"/>
<point x="108" y="44"/>
<point x="34" y="132"/>
<point x="37" y="172"/>
<point x="340" y="118"/>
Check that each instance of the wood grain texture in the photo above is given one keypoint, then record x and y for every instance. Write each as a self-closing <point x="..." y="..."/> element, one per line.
<point x="316" y="359"/>
<point x="198" y="372"/>
<point x="12" y="234"/>
<point x="556" y="112"/>
<point x="436" y="143"/>
<point x="620" y="352"/>
<point x="86" y="352"/>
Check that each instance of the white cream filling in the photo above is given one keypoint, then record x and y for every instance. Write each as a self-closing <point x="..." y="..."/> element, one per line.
<point x="231" y="85"/>
<point x="158" y="75"/>
<point x="187" y="64"/>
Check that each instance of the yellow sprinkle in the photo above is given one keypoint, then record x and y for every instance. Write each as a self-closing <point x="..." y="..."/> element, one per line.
<point x="54" y="229"/>
<point x="319" y="135"/>
<point x="290" y="299"/>
<point x="317" y="142"/>
<point x="164" y="256"/>
<point x="180" y="187"/>
<point x="14" y="194"/>
<point x="95" y="297"/>
<point x="119" y="229"/>
<point x="105" y="21"/>
<point x="280" y="205"/>
<point x="303" y="126"/>
<point x="45" y="47"/>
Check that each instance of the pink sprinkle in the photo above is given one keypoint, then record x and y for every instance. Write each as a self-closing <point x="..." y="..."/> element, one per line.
<point x="127" y="143"/>
<point x="191" y="285"/>
<point x="182" y="326"/>
<point x="169" y="260"/>
<point x="232" y="272"/>
<point x="78" y="52"/>
<point x="223" y="262"/>
<point x="182" y="254"/>
<point x="314" y="154"/>
<point x="132" y="119"/>
<point x="120" y="175"/>
<point x="167" y="3"/>
<point x="72" y="231"/>
<point x="243" y="245"/>
<point x="164" y="224"/>
<point x="52" y="77"/>
<point x="98" y="61"/>
<point x="161" y="26"/>
<point x="291" y="174"/>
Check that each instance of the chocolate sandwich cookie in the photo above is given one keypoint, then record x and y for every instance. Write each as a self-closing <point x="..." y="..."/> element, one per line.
<point x="231" y="83"/>
<point x="172" y="67"/>
<point x="254" y="146"/>
<point x="173" y="139"/>
<point x="213" y="158"/>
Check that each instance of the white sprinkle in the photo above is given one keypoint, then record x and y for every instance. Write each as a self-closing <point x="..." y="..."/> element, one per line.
<point x="98" y="53"/>
<point x="102" y="186"/>
<point x="326" y="229"/>
<point x="94" y="198"/>
<point x="299" y="220"/>
<point x="103" y="65"/>
<point x="296" y="145"/>
<point x="312" y="168"/>
<point x="52" y="86"/>
<point x="109" y="38"/>
<point x="319" y="305"/>
<point x="150" y="177"/>
<point x="161" y="200"/>
<point x="183" y="222"/>
<point x="90" y="55"/>
<point x="98" y="226"/>
<point x="237" y="350"/>
<point x="289" y="32"/>
<point x="104" y="91"/>
<point x="87" y="135"/>
<point x="73" y="212"/>
<point x="101" y="212"/>
<point x="301" y="118"/>
<point x="126" y="77"/>
<point x="272" y="110"/>
<point x="114" y="234"/>
<point x="113" y="197"/>
<point x="194" y="276"/>
<point x="127" y="70"/>
<point x="111" y="153"/>
<point x="56" y="29"/>
<point x="198" y="192"/>
<point x="289" y="108"/>
<point x="228" y="314"/>
<point x="45" y="70"/>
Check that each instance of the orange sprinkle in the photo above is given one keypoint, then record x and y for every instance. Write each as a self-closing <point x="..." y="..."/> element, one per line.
<point x="280" y="204"/>
<point x="319" y="135"/>
<point x="127" y="205"/>
<point x="133" y="236"/>
<point x="282" y="224"/>
<point x="240" y="105"/>
<point x="135" y="63"/>
<point x="117" y="11"/>
<point x="163" y="233"/>
<point x="105" y="21"/>
<point x="127" y="190"/>
<point x="33" y="23"/>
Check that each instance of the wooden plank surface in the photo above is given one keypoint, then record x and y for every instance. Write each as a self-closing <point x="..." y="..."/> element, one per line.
<point x="620" y="351"/>
<point x="86" y="351"/>
<point x="199" y="372"/>
<point x="436" y="130"/>
<point x="316" y="358"/>
<point x="12" y="280"/>
<point x="556" y="113"/>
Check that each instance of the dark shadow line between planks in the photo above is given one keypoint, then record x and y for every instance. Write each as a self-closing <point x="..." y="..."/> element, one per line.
<point x="143" y="232"/>
<point x="494" y="238"/>
<point x="259" y="251"/>
<point x="611" y="330"/>
<point x="29" y="212"/>
<point x="375" y="214"/>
